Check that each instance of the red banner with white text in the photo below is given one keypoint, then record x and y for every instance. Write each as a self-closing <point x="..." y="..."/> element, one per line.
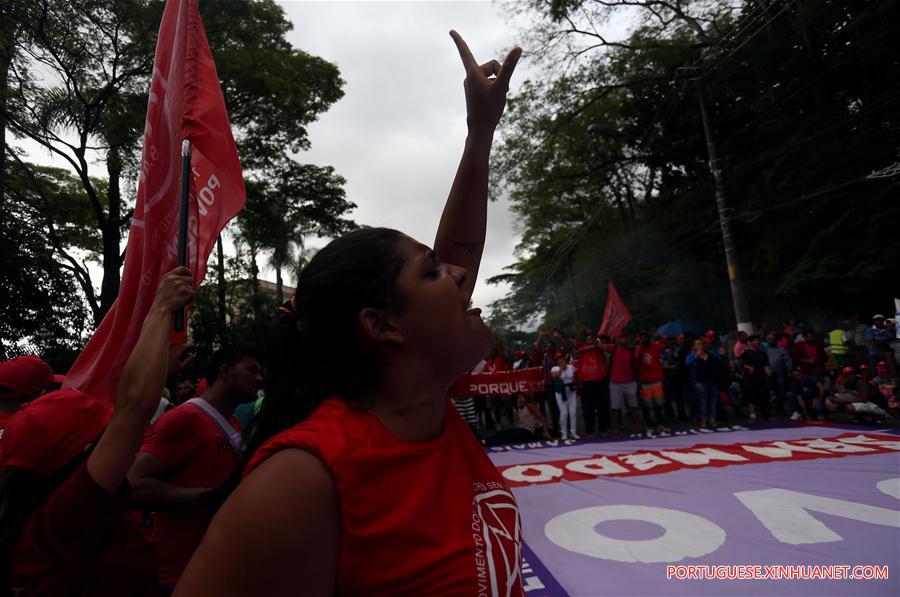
<point x="185" y="102"/>
<point x="529" y="380"/>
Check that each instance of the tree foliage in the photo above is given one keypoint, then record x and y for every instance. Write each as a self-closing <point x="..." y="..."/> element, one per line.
<point x="75" y="76"/>
<point x="77" y="85"/>
<point x="42" y="310"/>
<point x="605" y="160"/>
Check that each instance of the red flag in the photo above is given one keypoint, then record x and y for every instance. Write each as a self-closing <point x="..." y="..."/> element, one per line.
<point x="616" y="315"/>
<point x="185" y="102"/>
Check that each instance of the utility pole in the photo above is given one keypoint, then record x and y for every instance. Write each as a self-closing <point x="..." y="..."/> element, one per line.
<point x="738" y="296"/>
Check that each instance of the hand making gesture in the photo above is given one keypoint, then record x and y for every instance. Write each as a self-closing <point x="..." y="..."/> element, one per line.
<point x="486" y="86"/>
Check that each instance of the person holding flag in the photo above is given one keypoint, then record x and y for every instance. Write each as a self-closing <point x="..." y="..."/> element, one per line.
<point x="61" y="524"/>
<point x="63" y="528"/>
<point x="363" y="478"/>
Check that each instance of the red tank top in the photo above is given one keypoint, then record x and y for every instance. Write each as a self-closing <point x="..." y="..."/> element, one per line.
<point x="416" y="517"/>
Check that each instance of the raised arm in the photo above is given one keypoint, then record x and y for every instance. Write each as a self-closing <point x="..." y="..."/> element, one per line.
<point x="461" y="232"/>
<point x="141" y="384"/>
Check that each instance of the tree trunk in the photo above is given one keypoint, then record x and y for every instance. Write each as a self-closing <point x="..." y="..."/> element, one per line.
<point x="254" y="270"/>
<point x="112" y="236"/>
<point x="4" y="71"/>
<point x="279" y="284"/>
<point x="6" y="53"/>
<point x="220" y="285"/>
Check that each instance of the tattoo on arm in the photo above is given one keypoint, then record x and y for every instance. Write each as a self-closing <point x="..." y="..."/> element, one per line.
<point x="469" y="248"/>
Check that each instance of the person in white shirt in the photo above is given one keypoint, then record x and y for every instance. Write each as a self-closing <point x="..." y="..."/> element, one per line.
<point x="566" y="397"/>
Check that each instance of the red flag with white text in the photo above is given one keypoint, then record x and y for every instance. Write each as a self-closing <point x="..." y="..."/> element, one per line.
<point x="185" y="102"/>
<point x="616" y="315"/>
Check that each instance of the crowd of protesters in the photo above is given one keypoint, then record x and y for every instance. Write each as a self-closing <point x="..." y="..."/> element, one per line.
<point x="594" y="382"/>
<point x="333" y="486"/>
<point x="190" y="457"/>
<point x="186" y="464"/>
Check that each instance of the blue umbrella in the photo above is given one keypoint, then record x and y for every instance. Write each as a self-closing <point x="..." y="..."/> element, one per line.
<point x="680" y="327"/>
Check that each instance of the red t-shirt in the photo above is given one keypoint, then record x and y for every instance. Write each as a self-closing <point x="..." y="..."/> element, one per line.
<point x="417" y="518"/>
<point x="78" y="543"/>
<point x="808" y="350"/>
<point x="649" y="368"/>
<point x="190" y="442"/>
<point x="591" y="364"/>
<point x="499" y="363"/>
<point x="623" y="363"/>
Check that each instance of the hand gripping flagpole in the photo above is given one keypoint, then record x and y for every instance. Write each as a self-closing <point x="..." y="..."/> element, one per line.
<point x="183" y="222"/>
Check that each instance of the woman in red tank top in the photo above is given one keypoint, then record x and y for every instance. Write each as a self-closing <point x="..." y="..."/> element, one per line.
<point x="363" y="479"/>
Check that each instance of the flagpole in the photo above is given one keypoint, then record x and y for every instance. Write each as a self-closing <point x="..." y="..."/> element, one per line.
<point x="183" y="221"/>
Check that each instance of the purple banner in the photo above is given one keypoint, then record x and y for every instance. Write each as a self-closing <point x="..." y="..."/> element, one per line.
<point x="641" y="535"/>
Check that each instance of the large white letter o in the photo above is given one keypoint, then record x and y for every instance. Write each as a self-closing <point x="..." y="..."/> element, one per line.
<point x="890" y="487"/>
<point x="686" y="535"/>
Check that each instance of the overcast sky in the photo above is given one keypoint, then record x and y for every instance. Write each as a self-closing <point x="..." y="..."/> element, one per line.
<point x="398" y="132"/>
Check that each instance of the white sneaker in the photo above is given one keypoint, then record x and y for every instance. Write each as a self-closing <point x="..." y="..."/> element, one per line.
<point x="564" y="436"/>
<point x="752" y="416"/>
<point x="575" y="435"/>
<point x="796" y="416"/>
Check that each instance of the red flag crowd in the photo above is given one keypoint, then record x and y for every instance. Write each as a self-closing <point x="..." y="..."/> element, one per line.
<point x="315" y="463"/>
<point x="590" y="381"/>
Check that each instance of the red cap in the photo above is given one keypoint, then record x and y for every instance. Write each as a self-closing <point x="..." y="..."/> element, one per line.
<point x="48" y="432"/>
<point x="679" y="337"/>
<point x="23" y="376"/>
<point x="710" y="334"/>
<point x="848" y="370"/>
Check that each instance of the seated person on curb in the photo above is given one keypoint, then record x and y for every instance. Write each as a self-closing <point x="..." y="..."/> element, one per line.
<point x="806" y="398"/>
<point x="845" y="390"/>
<point x="193" y="450"/>
<point x="530" y="424"/>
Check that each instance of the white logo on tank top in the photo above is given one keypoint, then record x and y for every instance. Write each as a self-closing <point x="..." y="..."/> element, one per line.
<point x="498" y="542"/>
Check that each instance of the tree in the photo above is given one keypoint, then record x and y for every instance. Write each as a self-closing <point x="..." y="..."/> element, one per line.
<point x="302" y="201"/>
<point x="42" y="311"/>
<point x="605" y="161"/>
<point x="98" y="57"/>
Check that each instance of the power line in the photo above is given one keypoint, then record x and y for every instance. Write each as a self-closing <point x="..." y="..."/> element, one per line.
<point x="754" y="34"/>
<point x="775" y="106"/>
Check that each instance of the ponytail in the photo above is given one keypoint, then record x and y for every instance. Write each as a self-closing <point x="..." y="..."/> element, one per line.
<point x="313" y="349"/>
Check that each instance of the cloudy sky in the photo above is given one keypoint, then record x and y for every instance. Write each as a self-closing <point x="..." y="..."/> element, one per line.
<point x="398" y="132"/>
